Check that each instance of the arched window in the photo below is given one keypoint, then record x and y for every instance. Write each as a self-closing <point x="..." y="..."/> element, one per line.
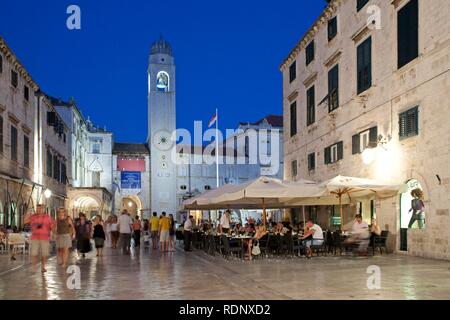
<point x="162" y="81"/>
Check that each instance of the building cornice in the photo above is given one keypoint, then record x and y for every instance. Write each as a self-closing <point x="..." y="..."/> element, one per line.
<point x="8" y="53"/>
<point x="324" y="17"/>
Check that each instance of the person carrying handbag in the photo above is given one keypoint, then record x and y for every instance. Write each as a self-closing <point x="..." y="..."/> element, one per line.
<point x="83" y="234"/>
<point x="65" y="233"/>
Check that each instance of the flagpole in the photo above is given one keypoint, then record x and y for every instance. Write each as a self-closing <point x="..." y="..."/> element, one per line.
<point x="217" y="148"/>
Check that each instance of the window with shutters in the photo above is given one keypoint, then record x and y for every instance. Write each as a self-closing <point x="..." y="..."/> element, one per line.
<point x="1" y="134"/>
<point x="364" y="140"/>
<point x="364" y="65"/>
<point x="332" y="28"/>
<point x="63" y="173"/>
<point x="409" y="123"/>
<point x="360" y="4"/>
<point x="293" y="119"/>
<point x="56" y="168"/>
<point x="293" y="71"/>
<point x="14" y="79"/>
<point x="13" y="143"/>
<point x="311" y="161"/>
<point x="294" y="171"/>
<point x="333" y="89"/>
<point x="334" y="153"/>
<point x="26" y="93"/>
<point x="310" y="106"/>
<point x="408" y="33"/>
<point x="49" y="163"/>
<point x="310" y="53"/>
<point x="26" y="151"/>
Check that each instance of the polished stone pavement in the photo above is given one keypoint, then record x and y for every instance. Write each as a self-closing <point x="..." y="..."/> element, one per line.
<point x="195" y="275"/>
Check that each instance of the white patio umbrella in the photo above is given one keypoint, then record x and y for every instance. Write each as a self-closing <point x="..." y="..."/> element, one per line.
<point x="263" y="192"/>
<point x="357" y="188"/>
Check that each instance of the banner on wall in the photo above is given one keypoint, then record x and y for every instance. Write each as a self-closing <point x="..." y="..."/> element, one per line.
<point x="130" y="180"/>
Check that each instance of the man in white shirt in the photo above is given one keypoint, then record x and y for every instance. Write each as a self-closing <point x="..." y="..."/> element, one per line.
<point x="187" y="232"/>
<point x="125" y="228"/>
<point x="313" y="236"/>
<point x="225" y="222"/>
<point x="360" y="234"/>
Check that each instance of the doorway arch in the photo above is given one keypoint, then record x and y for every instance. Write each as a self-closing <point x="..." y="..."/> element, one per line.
<point x="132" y="204"/>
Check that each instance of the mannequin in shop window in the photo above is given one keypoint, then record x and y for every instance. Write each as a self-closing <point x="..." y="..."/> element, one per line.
<point x="418" y="209"/>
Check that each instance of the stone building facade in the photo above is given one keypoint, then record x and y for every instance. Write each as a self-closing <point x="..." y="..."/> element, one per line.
<point x="365" y="94"/>
<point x="17" y="133"/>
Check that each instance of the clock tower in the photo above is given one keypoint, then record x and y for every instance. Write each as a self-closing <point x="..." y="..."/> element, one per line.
<point x="161" y="125"/>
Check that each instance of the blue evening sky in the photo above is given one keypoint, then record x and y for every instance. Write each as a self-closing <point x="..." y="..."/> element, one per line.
<point x="227" y="55"/>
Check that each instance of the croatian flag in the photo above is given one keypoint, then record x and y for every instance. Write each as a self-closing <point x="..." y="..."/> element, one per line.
<point x="213" y="120"/>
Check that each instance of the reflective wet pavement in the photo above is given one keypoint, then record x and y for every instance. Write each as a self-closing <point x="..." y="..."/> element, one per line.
<point x="154" y="275"/>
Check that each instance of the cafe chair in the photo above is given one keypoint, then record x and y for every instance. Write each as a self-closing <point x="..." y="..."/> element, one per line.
<point x="380" y="242"/>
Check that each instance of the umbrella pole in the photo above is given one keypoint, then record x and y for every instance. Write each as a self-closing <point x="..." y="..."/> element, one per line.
<point x="304" y="218"/>
<point x="341" y="211"/>
<point x="264" y="212"/>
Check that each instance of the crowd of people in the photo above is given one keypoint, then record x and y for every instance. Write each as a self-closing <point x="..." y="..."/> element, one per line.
<point x="82" y="234"/>
<point x="159" y="233"/>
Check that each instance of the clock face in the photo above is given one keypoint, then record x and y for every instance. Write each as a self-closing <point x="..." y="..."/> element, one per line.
<point x="162" y="141"/>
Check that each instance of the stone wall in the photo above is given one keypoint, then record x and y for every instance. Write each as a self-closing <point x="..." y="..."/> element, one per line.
<point x="424" y="82"/>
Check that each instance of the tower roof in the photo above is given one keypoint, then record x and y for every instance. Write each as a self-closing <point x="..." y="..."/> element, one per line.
<point x="161" y="46"/>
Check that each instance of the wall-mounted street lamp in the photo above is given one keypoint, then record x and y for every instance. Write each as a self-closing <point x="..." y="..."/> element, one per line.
<point x="47" y="193"/>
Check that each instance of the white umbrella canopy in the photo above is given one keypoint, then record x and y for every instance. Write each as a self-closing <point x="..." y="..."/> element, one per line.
<point x="262" y="193"/>
<point x="359" y="187"/>
<point x="352" y="187"/>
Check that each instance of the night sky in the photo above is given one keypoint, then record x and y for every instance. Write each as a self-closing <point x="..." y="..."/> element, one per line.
<point x="227" y="55"/>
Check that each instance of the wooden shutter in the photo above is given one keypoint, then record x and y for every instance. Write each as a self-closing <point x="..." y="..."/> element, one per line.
<point x="373" y="137"/>
<point x="333" y="88"/>
<point x="293" y="119"/>
<point x="408" y="33"/>
<point x="1" y="134"/>
<point x="356" y="148"/>
<point x="327" y="155"/>
<point x="340" y="150"/>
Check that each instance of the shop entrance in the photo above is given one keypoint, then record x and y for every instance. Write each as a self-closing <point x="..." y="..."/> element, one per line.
<point x="412" y="211"/>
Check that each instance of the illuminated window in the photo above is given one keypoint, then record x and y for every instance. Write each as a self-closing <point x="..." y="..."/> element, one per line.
<point x="162" y="81"/>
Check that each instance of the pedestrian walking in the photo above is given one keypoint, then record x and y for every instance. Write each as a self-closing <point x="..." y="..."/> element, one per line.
<point x="137" y="231"/>
<point x="114" y="232"/>
<point x="125" y="229"/>
<point x="65" y="233"/>
<point x="107" y="226"/>
<point x="172" y="233"/>
<point x="83" y="234"/>
<point x="41" y="227"/>
<point x="99" y="235"/>
<point x="164" y="227"/>
<point x="154" y="229"/>
<point x="187" y="232"/>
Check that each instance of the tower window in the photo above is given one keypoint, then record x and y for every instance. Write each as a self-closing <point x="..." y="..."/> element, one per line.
<point x="162" y="81"/>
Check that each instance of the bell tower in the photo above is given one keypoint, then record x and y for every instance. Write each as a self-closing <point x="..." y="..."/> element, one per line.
<point x="161" y="125"/>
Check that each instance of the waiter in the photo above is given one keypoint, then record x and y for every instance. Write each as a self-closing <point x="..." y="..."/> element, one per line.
<point x="188" y="233"/>
<point x="225" y="222"/>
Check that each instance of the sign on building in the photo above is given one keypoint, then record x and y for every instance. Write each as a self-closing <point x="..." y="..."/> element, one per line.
<point x="130" y="180"/>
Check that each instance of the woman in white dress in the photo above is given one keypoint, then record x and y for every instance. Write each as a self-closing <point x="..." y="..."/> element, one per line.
<point x="108" y="243"/>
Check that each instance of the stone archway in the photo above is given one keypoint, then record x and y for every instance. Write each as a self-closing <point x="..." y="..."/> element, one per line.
<point x="133" y="204"/>
<point x="87" y="204"/>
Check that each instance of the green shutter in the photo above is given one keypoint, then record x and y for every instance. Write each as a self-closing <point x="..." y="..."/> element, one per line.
<point x="327" y="155"/>
<point x="340" y="150"/>
<point x="373" y="137"/>
<point x="356" y="144"/>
